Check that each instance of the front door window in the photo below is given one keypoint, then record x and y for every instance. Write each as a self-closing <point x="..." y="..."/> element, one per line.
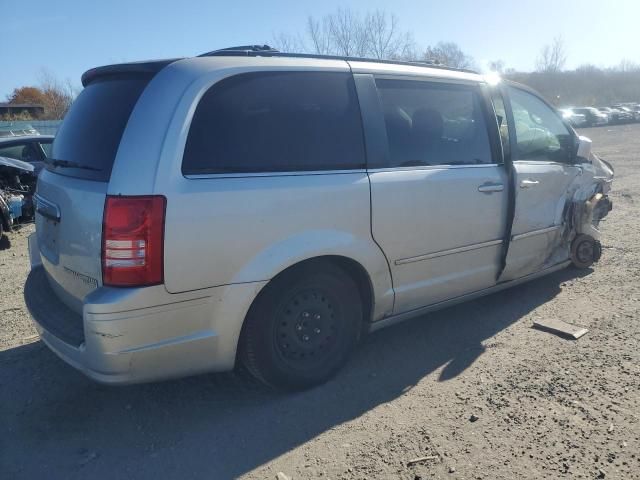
<point x="540" y="133"/>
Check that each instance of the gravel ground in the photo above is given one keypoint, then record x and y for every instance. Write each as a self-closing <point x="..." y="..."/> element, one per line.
<point x="473" y="388"/>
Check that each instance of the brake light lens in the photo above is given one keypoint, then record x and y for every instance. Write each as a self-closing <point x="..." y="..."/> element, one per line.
<point x="133" y="241"/>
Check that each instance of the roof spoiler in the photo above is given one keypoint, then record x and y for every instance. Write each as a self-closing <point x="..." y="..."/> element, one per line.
<point x="144" y="68"/>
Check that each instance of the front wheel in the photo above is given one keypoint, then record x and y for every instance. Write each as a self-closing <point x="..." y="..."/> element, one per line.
<point x="585" y="250"/>
<point x="302" y="327"/>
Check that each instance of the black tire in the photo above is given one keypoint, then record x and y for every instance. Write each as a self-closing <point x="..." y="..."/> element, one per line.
<point x="585" y="250"/>
<point x="2" y="224"/>
<point x="302" y="327"/>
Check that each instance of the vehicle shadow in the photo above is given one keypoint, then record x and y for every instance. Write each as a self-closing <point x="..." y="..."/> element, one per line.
<point x="61" y="425"/>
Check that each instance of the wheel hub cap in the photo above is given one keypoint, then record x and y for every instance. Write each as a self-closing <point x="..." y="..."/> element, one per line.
<point x="306" y="326"/>
<point x="584" y="252"/>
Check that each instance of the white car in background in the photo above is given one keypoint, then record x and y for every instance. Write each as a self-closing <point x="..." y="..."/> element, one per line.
<point x="594" y="117"/>
<point x="575" y="119"/>
<point x="633" y="114"/>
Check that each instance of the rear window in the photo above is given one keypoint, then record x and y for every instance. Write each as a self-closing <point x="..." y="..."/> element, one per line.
<point x="92" y="129"/>
<point x="275" y="122"/>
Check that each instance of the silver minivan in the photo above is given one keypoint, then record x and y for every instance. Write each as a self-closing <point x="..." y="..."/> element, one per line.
<point x="253" y="207"/>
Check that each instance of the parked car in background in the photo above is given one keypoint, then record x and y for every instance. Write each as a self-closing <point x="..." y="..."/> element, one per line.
<point x="630" y="114"/>
<point x="575" y="119"/>
<point x="595" y="118"/>
<point x="253" y="206"/>
<point x="33" y="149"/>
<point x="615" y="116"/>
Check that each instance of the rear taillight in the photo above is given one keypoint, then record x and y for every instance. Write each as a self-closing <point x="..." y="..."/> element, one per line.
<point x="132" y="241"/>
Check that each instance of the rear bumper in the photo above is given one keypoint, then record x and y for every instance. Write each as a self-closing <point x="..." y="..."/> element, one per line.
<point x="137" y="335"/>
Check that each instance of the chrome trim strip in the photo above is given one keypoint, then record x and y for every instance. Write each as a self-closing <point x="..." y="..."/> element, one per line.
<point x="193" y="176"/>
<point x="545" y="162"/>
<point x="433" y="167"/>
<point x="299" y="173"/>
<point x="533" y="233"/>
<point x="392" y="320"/>
<point x="452" y="251"/>
<point x="427" y="77"/>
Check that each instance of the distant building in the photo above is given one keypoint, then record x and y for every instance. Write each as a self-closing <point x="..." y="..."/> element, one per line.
<point x="33" y="109"/>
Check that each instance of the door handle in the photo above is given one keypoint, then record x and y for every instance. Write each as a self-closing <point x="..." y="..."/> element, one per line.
<point x="528" y="183"/>
<point x="491" y="187"/>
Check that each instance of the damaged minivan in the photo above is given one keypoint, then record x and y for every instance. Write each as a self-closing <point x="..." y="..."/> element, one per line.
<point x="267" y="209"/>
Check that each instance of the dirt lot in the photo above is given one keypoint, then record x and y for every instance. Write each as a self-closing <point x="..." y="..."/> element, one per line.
<point x="544" y="407"/>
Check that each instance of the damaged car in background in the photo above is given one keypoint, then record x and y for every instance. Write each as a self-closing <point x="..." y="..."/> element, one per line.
<point x="368" y="192"/>
<point x="17" y="185"/>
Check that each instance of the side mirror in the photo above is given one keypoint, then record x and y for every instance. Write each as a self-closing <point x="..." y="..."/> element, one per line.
<point x="584" y="149"/>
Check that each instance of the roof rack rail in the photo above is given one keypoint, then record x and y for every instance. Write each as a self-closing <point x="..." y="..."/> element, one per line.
<point x="267" y="51"/>
<point x="242" y="51"/>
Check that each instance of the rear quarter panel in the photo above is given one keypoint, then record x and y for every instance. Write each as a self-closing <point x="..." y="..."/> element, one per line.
<point x="237" y="230"/>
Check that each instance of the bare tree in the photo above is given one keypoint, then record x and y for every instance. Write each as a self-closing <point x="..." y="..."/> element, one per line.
<point x="384" y="38"/>
<point x="57" y="95"/>
<point x="377" y="34"/>
<point x="586" y="85"/>
<point x="288" y="43"/>
<point x="628" y="66"/>
<point x="449" y="54"/>
<point x="497" y="66"/>
<point x="552" y="57"/>
<point x="348" y="35"/>
<point x="319" y="35"/>
<point x="587" y="68"/>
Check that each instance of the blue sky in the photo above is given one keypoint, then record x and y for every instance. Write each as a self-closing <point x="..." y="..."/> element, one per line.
<point x="69" y="36"/>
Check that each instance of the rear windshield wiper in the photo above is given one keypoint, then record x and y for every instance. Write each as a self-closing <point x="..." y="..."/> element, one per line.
<point x="69" y="164"/>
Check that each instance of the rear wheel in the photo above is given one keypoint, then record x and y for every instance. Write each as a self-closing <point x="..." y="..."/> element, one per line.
<point x="301" y="328"/>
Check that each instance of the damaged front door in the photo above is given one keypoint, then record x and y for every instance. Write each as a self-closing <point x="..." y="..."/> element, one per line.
<point x="543" y="174"/>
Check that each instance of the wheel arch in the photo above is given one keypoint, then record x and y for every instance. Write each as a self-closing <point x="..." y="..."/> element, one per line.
<point x="354" y="269"/>
<point x="359" y="275"/>
<point x="360" y="257"/>
<point x="350" y="266"/>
